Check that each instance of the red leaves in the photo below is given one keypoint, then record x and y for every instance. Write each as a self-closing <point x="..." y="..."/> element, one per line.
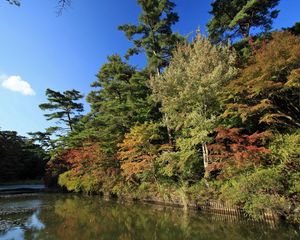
<point x="87" y="159"/>
<point x="231" y="146"/>
<point x="76" y="156"/>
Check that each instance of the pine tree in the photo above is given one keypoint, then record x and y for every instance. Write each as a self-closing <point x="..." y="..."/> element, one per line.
<point x="121" y="100"/>
<point x="232" y="18"/>
<point x="63" y="107"/>
<point x="153" y="34"/>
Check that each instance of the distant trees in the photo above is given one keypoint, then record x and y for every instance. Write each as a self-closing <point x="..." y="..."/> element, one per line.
<point x="43" y="138"/>
<point x="232" y="18"/>
<point x="295" y="29"/>
<point x="20" y="159"/>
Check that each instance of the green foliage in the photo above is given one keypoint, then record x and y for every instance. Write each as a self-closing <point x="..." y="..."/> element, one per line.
<point x="63" y="106"/>
<point x="232" y="18"/>
<point x="158" y="134"/>
<point x="204" y="191"/>
<point x="189" y="87"/>
<point x="20" y="159"/>
<point x="153" y="34"/>
<point x="188" y="91"/>
<point x="44" y="138"/>
<point x="285" y="147"/>
<point x="263" y="190"/>
<point x="86" y="183"/>
<point x="120" y="101"/>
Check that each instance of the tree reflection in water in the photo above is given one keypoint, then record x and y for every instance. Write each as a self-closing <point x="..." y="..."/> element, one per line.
<point x="76" y="217"/>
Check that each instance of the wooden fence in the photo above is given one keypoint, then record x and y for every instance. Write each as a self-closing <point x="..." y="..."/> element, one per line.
<point x="226" y="212"/>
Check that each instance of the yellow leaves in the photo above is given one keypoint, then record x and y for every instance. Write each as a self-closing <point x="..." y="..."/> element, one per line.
<point x="130" y="169"/>
<point x="294" y="79"/>
<point x="139" y="150"/>
<point x="274" y="118"/>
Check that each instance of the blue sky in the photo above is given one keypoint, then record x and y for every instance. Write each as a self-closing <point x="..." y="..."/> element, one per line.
<point x="39" y="50"/>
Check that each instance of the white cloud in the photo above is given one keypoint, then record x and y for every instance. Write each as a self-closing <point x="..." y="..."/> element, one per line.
<point x="17" y="84"/>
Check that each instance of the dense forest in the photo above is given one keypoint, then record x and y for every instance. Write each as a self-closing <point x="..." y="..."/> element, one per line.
<point x="216" y="118"/>
<point x="20" y="158"/>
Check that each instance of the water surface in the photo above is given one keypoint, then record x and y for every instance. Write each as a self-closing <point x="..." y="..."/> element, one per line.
<point x="67" y="216"/>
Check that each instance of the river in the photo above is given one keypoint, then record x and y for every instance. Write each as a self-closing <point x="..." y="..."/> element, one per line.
<point x="70" y="217"/>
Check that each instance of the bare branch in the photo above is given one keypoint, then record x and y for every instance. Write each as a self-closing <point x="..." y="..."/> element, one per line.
<point x="62" y="5"/>
<point x="14" y="2"/>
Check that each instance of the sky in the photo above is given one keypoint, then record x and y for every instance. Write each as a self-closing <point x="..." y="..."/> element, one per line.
<point x="40" y="50"/>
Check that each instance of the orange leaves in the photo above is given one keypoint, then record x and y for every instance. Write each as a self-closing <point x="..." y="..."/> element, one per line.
<point x="139" y="150"/>
<point x="76" y="156"/>
<point x="79" y="161"/>
<point x="267" y="91"/>
<point x="83" y="158"/>
<point x="231" y="146"/>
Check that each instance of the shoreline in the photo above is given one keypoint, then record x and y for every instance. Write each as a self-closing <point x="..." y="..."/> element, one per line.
<point x="213" y="207"/>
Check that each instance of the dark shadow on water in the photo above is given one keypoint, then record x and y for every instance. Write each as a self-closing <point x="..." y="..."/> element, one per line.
<point x="64" y="217"/>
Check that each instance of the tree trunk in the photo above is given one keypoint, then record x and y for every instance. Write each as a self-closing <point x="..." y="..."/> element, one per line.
<point x="70" y="122"/>
<point x="169" y="132"/>
<point x="158" y="71"/>
<point x="205" y="155"/>
<point x="170" y="136"/>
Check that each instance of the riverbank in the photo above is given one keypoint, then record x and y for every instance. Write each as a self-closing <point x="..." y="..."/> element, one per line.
<point x="183" y="197"/>
<point x="186" y="201"/>
<point x="12" y="188"/>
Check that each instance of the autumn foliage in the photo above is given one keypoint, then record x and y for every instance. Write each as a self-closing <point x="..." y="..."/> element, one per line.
<point x="138" y="151"/>
<point x="266" y="94"/>
<point x="217" y="129"/>
<point x="232" y="147"/>
<point x="82" y="168"/>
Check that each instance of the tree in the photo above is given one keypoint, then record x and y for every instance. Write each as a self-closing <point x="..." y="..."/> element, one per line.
<point x="232" y="18"/>
<point x="63" y="106"/>
<point x="153" y="34"/>
<point x="120" y="101"/>
<point x="61" y="6"/>
<point x="294" y="29"/>
<point x="139" y="150"/>
<point x="43" y="138"/>
<point x="88" y="169"/>
<point x="19" y="158"/>
<point x="266" y="93"/>
<point x="235" y="148"/>
<point x="188" y="91"/>
<point x="14" y="2"/>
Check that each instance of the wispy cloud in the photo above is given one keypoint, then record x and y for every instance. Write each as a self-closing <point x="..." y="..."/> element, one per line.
<point x="17" y="84"/>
